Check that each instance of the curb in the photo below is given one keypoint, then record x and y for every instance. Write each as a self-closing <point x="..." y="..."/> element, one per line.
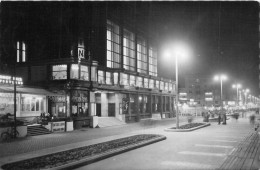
<point x="108" y="154"/>
<point x="186" y="130"/>
<point x="101" y="156"/>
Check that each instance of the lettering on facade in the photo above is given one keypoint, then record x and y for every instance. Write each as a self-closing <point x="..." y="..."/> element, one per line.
<point x="81" y="53"/>
<point x="79" y="99"/>
<point x="57" y="99"/>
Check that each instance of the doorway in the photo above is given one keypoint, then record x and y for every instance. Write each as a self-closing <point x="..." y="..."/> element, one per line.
<point x="98" y="109"/>
<point x="111" y="109"/>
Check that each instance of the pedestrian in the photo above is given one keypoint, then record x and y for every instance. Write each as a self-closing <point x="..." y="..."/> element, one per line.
<point x="252" y="119"/>
<point x="219" y="118"/>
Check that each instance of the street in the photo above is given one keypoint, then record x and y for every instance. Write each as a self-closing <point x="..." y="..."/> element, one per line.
<point x="205" y="148"/>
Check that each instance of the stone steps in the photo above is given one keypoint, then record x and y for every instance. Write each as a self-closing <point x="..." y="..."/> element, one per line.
<point x="35" y="130"/>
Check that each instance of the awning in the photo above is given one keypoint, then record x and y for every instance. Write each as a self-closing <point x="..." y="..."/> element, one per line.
<point x="28" y="90"/>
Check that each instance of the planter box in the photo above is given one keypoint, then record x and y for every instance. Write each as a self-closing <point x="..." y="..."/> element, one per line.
<point x="69" y="126"/>
<point x="21" y="129"/>
<point x="49" y="126"/>
<point x="58" y="126"/>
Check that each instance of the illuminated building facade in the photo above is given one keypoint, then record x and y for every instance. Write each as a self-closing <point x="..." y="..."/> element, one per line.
<point x="98" y="55"/>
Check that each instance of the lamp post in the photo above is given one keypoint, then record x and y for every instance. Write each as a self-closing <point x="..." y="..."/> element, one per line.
<point x="237" y="86"/>
<point x="176" y="50"/>
<point x="177" y="92"/>
<point x="221" y="78"/>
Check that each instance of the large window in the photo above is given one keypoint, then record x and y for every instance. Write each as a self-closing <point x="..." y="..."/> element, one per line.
<point x="74" y="71"/>
<point x="139" y="82"/>
<point x="21" y="52"/>
<point x="129" y="50"/>
<point x="151" y="84"/>
<point x="141" y="56"/>
<point x="124" y="79"/>
<point x="113" y="45"/>
<point x="132" y="80"/>
<point x="101" y="78"/>
<point x="59" y="72"/>
<point x="170" y="86"/>
<point x="115" y="78"/>
<point x="146" y="83"/>
<point x="108" y="78"/>
<point x="84" y="73"/>
<point x="166" y="85"/>
<point x="157" y="84"/>
<point x="152" y="61"/>
<point x="161" y="85"/>
<point x="32" y="104"/>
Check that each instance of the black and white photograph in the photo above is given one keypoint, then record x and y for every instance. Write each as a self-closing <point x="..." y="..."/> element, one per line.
<point x="129" y="85"/>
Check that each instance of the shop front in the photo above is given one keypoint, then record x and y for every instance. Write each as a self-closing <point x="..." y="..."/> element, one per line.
<point x="30" y="102"/>
<point x="79" y="103"/>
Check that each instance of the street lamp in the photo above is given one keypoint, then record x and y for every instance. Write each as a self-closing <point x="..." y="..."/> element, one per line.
<point x="177" y="50"/>
<point x="221" y="78"/>
<point x="237" y="86"/>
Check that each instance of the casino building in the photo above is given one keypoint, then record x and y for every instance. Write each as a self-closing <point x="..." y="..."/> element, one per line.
<point x="93" y="58"/>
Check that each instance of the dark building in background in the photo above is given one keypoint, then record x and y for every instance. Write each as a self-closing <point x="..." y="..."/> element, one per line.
<point x="201" y="91"/>
<point x="98" y="57"/>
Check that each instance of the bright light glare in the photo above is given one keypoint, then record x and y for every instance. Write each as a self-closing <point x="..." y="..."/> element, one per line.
<point x="180" y="49"/>
<point x="167" y="53"/>
<point x="236" y="86"/>
<point x="223" y="77"/>
<point x="177" y="48"/>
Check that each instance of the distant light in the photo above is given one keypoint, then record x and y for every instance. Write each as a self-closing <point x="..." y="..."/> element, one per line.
<point x="236" y="86"/>
<point x="222" y="77"/>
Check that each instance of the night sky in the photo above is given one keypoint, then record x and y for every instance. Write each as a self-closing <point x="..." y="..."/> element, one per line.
<point x="223" y="36"/>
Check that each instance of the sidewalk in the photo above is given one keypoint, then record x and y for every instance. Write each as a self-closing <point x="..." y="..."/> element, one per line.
<point x="76" y="137"/>
<point x="246" y="155"/>
<point x="45" y="144"/>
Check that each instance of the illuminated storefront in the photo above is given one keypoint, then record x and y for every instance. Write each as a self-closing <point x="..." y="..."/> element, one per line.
<point x="30" y="102"/>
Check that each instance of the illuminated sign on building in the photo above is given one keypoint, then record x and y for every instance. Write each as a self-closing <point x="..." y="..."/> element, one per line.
<point x="183" y="98"/>
<point x="209" y="99"/>
<point x="10" y="80"/>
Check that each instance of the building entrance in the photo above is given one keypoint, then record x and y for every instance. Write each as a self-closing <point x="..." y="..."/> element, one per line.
<point x="111" y="109"/>
<point x="98" y="109"/>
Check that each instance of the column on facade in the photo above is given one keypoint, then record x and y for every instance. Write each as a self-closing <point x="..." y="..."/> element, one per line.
<point x="151" y="105"/>
<point x="92" y="105"/>
<point x="104" y="105"/>
<point x="138" y="105"/>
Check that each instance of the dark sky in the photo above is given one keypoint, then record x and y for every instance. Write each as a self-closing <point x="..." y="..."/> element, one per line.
<point x="223" y="36"/>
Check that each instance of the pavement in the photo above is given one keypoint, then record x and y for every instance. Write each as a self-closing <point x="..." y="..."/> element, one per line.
<point x="207" y="148"/>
